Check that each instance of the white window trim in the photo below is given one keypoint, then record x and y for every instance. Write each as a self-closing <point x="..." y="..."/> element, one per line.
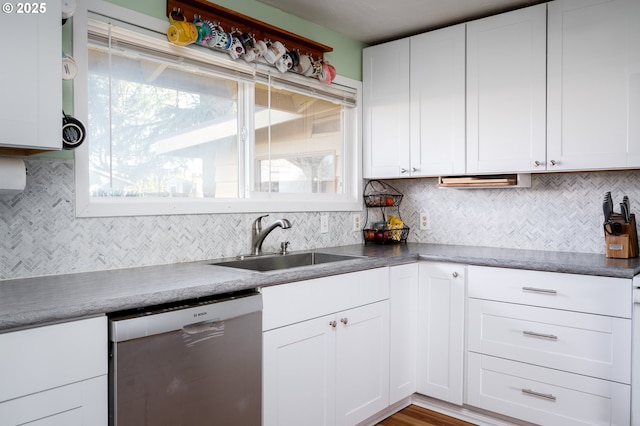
<point x="87" y="206"/>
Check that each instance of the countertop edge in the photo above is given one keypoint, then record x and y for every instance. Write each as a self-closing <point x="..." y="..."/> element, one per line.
<point x="29" y="302"/>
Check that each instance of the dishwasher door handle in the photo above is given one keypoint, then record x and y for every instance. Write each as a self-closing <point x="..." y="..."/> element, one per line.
<point x="129" y="328"/>
<point x="201" y="327"/>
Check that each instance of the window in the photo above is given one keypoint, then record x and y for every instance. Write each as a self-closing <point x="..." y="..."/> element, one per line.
<point x="186" y="130"/>
<point x="301" y="150"/>
<point x="156" y="130"/>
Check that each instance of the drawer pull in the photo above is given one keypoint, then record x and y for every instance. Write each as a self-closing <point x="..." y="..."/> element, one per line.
<point x="548" y="396"/>
<point x="542" y="335"/>
<point x="540" y="290"/>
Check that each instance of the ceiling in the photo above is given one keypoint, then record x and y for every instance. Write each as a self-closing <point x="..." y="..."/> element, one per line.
<point x="376" y="21"/>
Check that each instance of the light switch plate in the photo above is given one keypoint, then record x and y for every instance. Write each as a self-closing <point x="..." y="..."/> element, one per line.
<point x="324" y="223"/>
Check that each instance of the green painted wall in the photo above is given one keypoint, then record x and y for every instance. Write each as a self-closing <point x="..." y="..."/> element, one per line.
<point x="346" y="55"/>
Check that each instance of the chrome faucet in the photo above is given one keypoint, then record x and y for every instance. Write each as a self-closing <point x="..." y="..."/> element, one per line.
<point x="258" y="234"/>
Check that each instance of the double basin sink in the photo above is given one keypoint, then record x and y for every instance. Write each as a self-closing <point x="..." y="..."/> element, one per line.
<point x="274" y="262"/>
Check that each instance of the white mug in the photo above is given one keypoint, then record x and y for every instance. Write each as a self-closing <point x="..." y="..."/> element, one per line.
<point x="274" y="52"/>
<point x="284" y="63"/>
<point x="69" y="67"/>
<point x="236" y="49"/>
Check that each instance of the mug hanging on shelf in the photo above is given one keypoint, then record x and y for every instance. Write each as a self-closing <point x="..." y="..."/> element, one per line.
<point x="69" y="67"/>
<point x="181" y="32"/>
<point x="73" y="132"/>
<point x="274" y="52"/>
<point x="204" y="30"/>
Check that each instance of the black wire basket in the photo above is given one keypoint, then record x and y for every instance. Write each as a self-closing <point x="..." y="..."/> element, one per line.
<point x="381" y="196"/>
<point x="386" y="236"/>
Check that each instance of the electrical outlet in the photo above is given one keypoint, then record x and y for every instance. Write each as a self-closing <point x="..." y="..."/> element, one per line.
<point x="356" y="222"/>
<point x="324" y="223"/>
<point x="425" y="224"/>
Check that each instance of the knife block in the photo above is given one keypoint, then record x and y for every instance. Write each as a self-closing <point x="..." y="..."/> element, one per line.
<point x="625" y="245"/>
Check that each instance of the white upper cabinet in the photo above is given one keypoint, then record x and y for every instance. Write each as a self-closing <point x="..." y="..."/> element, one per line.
<point x="31" y="85"/>
<point x="594" y="84"/>
<point x="386" y="97"/>
<point x="506" y="102"/>
<point x="438" y="102"/>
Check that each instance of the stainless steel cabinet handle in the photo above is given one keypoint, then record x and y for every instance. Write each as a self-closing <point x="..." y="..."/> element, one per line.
<point x="541" y="335"/>
<point x="403" y="170"/>
<point x="540" y="290"/>
<point x="333" y="324"/>
<point x="553" y="162"/>
<point x="538" y="394"/>
<point x="537" y="163"/>
<point x="344" y="320"/>
<point x="455" y="275"/>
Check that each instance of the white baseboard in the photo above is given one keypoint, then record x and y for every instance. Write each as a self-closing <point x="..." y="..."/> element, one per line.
<point x="469" y="414"/>
<point x="462" y="412"/>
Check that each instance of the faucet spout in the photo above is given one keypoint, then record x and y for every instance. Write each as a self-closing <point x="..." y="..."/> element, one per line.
<point x="258" y="234"/>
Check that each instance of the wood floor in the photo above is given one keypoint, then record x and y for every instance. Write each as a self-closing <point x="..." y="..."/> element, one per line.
<point x="418" y="416"/>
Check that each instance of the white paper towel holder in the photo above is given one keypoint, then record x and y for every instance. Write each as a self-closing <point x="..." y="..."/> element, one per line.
<point x="13" y="175"/>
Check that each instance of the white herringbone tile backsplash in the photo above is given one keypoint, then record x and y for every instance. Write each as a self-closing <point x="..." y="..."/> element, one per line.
<point x="39" y="234"/>
<point x="560" y="212"/>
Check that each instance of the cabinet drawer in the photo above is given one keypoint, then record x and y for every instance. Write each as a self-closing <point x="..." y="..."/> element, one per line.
<point x="299" y="301"/>
<point x="593" y="345"/>
<point x="80" y="403"/>
<point x="545" y="396"/>
<point x="581" y="293"/>
<point x="42" y="358"/>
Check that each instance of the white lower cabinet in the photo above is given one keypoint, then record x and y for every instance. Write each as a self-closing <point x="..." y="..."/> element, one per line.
<point x="441" y="300"/>
<point x="549" y="348"/>
<point x="403" y="336"/>
<point x="331" y="369"/>
<point x="82" y="403"/>
<point x="55" y="375"/>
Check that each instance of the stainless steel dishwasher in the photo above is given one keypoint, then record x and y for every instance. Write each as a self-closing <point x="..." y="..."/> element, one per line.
<point x="188" y="364"/>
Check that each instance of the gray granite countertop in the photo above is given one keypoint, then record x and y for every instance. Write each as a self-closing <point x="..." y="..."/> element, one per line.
<point x="34" y="301"/>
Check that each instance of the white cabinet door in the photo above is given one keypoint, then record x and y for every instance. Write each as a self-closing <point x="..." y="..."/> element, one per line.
<point x="441" y="331"/>
<point x="438" y="102"/>
<point x="506" y="98"/>
<point x="362" y="363"/>
<point x="594" y="84"/>
<point x="332" y="370"/>
<point x="403" y="334"/>
<point x="385" y="80"/>
<point x="31" y="83"/>
<point x="299" y="374"/>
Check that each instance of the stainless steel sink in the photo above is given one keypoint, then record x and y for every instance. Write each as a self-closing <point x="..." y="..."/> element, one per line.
<point x="284" y="261"/>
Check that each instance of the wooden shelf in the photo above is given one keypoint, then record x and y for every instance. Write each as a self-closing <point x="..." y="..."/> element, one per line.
<point x="230" y="19"/>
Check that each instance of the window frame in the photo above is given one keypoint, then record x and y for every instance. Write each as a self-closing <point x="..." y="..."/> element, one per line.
<point x="248" y="201"/>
